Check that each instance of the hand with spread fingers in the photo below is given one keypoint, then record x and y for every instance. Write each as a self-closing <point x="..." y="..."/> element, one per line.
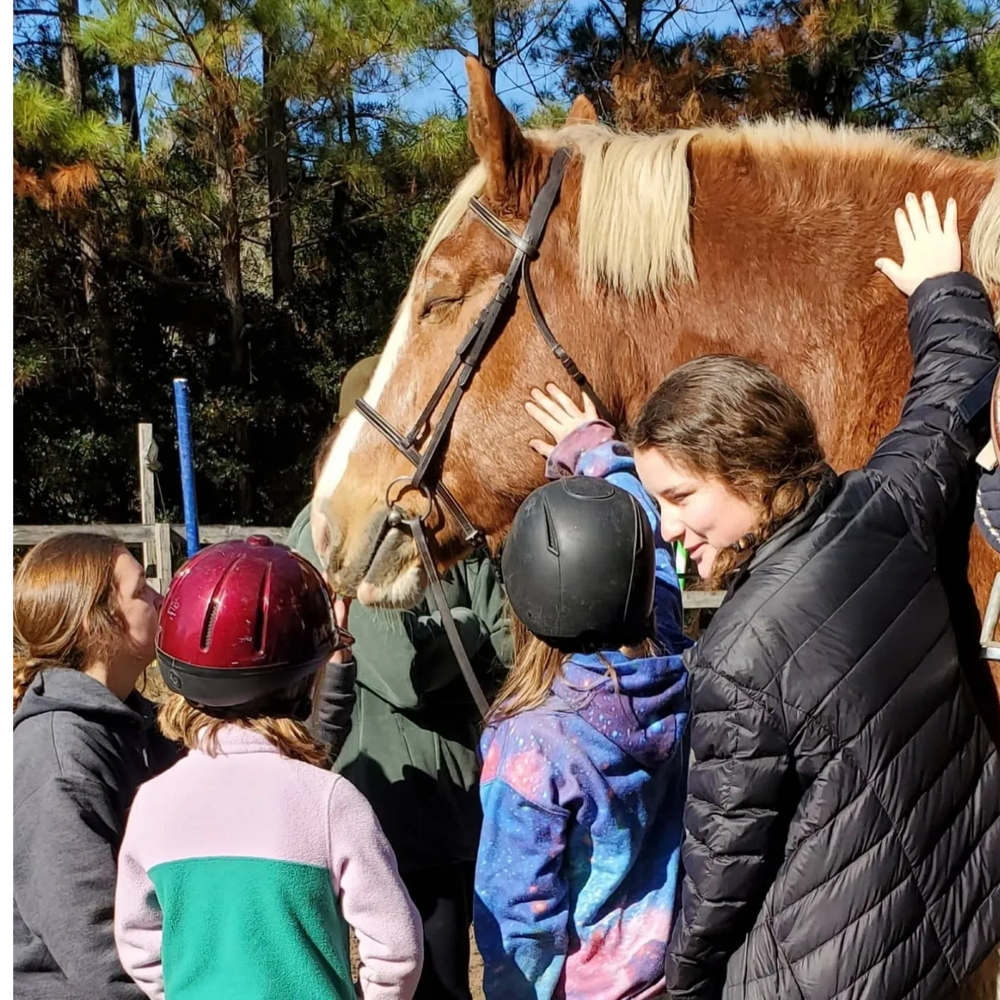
<point x="930" y="248"/>
<point x="558" y="415"/>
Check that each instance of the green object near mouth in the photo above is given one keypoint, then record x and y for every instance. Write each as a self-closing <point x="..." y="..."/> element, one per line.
<point x="681" y="564"/>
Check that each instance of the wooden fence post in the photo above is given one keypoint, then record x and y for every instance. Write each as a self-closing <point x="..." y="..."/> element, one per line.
<point x="164" y="560"/>
<point x="155" y="553"/>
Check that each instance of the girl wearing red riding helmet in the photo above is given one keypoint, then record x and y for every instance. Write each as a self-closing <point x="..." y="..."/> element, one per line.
<point x="243" y="866"/>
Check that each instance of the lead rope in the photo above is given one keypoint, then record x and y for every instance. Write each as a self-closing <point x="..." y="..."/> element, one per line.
<point x="416" y="528"/>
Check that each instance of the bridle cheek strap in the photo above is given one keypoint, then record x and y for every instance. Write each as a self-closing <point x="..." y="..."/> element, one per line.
<point x="470" y="352"/>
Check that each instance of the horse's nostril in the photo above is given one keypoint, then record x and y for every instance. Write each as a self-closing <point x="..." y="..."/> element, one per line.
<point x="325" y="540"/>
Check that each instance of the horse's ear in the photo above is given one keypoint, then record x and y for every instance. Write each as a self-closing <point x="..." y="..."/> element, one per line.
<point x="582" y="112"/>
<point x="495" y="137"/>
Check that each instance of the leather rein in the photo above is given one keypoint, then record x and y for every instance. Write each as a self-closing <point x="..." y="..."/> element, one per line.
<point x="426" y="478"/>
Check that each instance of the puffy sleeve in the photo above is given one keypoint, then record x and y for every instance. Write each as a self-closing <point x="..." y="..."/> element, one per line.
<point x="943" y="422"/>
<point x="334" y="705"/>
<point x="738" y="801"/>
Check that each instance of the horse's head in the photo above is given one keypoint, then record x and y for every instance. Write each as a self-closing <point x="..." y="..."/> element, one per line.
<point x="485" y="462"/>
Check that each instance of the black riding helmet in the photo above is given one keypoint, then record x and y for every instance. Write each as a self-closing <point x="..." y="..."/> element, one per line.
<point x="579" y="566"/>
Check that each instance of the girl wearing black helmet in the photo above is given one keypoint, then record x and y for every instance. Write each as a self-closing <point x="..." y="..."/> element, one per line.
<point x="585" y="749"/>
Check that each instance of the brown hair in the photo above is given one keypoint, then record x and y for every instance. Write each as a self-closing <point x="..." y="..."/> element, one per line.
<point x="725" y="418"/>
<point x="198" y="729"/>
<point x="534" y="670"/>
<point x="66" y="611"/>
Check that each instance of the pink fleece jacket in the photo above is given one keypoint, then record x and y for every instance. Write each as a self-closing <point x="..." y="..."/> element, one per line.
<point x="237" y="873"/>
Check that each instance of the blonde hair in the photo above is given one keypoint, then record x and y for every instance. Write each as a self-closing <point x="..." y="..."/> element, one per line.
<point x="66" y="609"/>
<point x="634" y="219"/>
<point x="535" y="668"/>
<point x="198" y="729"/>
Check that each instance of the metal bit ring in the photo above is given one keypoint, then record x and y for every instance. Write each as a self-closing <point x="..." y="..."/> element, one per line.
<point x="393" y="504"/>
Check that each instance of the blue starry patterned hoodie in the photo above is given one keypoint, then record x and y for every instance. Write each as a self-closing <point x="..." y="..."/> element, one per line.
<point x="578" y="873"/>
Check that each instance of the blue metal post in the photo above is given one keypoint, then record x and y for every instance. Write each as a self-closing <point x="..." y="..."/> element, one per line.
<point x="187" y="465"/>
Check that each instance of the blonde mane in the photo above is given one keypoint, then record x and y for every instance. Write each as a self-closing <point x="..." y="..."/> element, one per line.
<point x="634" y="220"/>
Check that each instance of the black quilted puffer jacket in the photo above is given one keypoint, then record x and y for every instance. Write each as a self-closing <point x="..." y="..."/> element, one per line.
<point x="843" y="814"/>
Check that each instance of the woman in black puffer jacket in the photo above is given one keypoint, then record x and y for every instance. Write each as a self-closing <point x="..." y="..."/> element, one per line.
<point x="843" y="818"/>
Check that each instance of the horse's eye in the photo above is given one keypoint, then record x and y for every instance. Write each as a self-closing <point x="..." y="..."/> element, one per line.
<point x="438" y="302"/>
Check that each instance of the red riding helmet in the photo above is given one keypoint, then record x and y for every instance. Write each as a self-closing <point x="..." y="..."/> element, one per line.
<point x="244" y="621"/>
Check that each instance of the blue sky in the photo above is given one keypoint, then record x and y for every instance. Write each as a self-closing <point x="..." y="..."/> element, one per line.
<point x="435" y="88"/>
<point x="513" y="85"/>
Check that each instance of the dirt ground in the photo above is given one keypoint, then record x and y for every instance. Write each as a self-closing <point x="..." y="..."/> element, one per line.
<point x="982" y="985"/>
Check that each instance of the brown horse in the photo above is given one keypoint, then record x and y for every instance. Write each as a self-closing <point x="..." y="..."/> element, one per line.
<point x="758" y="241"/>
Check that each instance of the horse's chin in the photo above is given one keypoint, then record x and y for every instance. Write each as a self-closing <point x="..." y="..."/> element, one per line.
<point x="404" y="591"/>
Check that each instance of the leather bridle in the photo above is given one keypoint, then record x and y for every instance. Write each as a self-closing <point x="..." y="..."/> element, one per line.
<point x="426" y="478"/>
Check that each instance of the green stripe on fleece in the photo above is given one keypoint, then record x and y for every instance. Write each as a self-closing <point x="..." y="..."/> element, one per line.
<point x="252" y="929"/>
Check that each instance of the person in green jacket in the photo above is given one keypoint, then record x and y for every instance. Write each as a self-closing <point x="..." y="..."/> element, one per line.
<point x="414" y="729"/>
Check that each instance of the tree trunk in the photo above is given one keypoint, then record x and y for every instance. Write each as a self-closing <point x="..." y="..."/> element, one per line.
<point x="87" y="227"/>
<point x="352" y="116"/>
<point x="633" y="31"/>
<point x="72" y="73"/>
<point x="484" y="16"/>
<point x="129" y="104"/>
<point x="280" y="206"/>
<point x="231" y="238"/>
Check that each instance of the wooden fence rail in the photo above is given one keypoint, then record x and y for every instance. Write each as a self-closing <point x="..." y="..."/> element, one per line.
<point x="157" y="539"/>
<point x="160" y="537"/>
<point x="135" y="534"/>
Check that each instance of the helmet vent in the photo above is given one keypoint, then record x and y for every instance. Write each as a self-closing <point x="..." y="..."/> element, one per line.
<point x="206" y="631"/>
<point x="262" y="607"/>
<point x="550" y="531"/>
<point x="213" y="605"/>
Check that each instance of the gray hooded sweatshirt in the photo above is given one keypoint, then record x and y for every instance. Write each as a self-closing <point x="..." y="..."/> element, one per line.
<point x="80" y="753"/>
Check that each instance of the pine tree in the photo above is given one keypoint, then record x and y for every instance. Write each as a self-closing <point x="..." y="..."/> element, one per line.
<point x="234" y="69"/>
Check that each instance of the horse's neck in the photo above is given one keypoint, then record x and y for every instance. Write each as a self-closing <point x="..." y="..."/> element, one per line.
<point x="784" y="251"/>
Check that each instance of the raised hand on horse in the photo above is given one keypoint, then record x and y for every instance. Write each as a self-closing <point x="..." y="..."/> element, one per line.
<point x="929" y="247"/>
<point x="558" y="414"/>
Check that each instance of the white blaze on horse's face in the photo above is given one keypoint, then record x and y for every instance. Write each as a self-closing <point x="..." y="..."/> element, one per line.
<point x="327" y="536"/>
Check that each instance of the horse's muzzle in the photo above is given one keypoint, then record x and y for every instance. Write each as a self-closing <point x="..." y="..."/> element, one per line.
<point x="383" y="570"/>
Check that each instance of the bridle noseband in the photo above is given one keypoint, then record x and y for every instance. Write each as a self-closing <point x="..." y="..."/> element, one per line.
<point x="426" y="478"/>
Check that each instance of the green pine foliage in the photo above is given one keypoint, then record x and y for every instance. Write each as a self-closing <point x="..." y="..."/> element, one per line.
<point x="365" y="181"/>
